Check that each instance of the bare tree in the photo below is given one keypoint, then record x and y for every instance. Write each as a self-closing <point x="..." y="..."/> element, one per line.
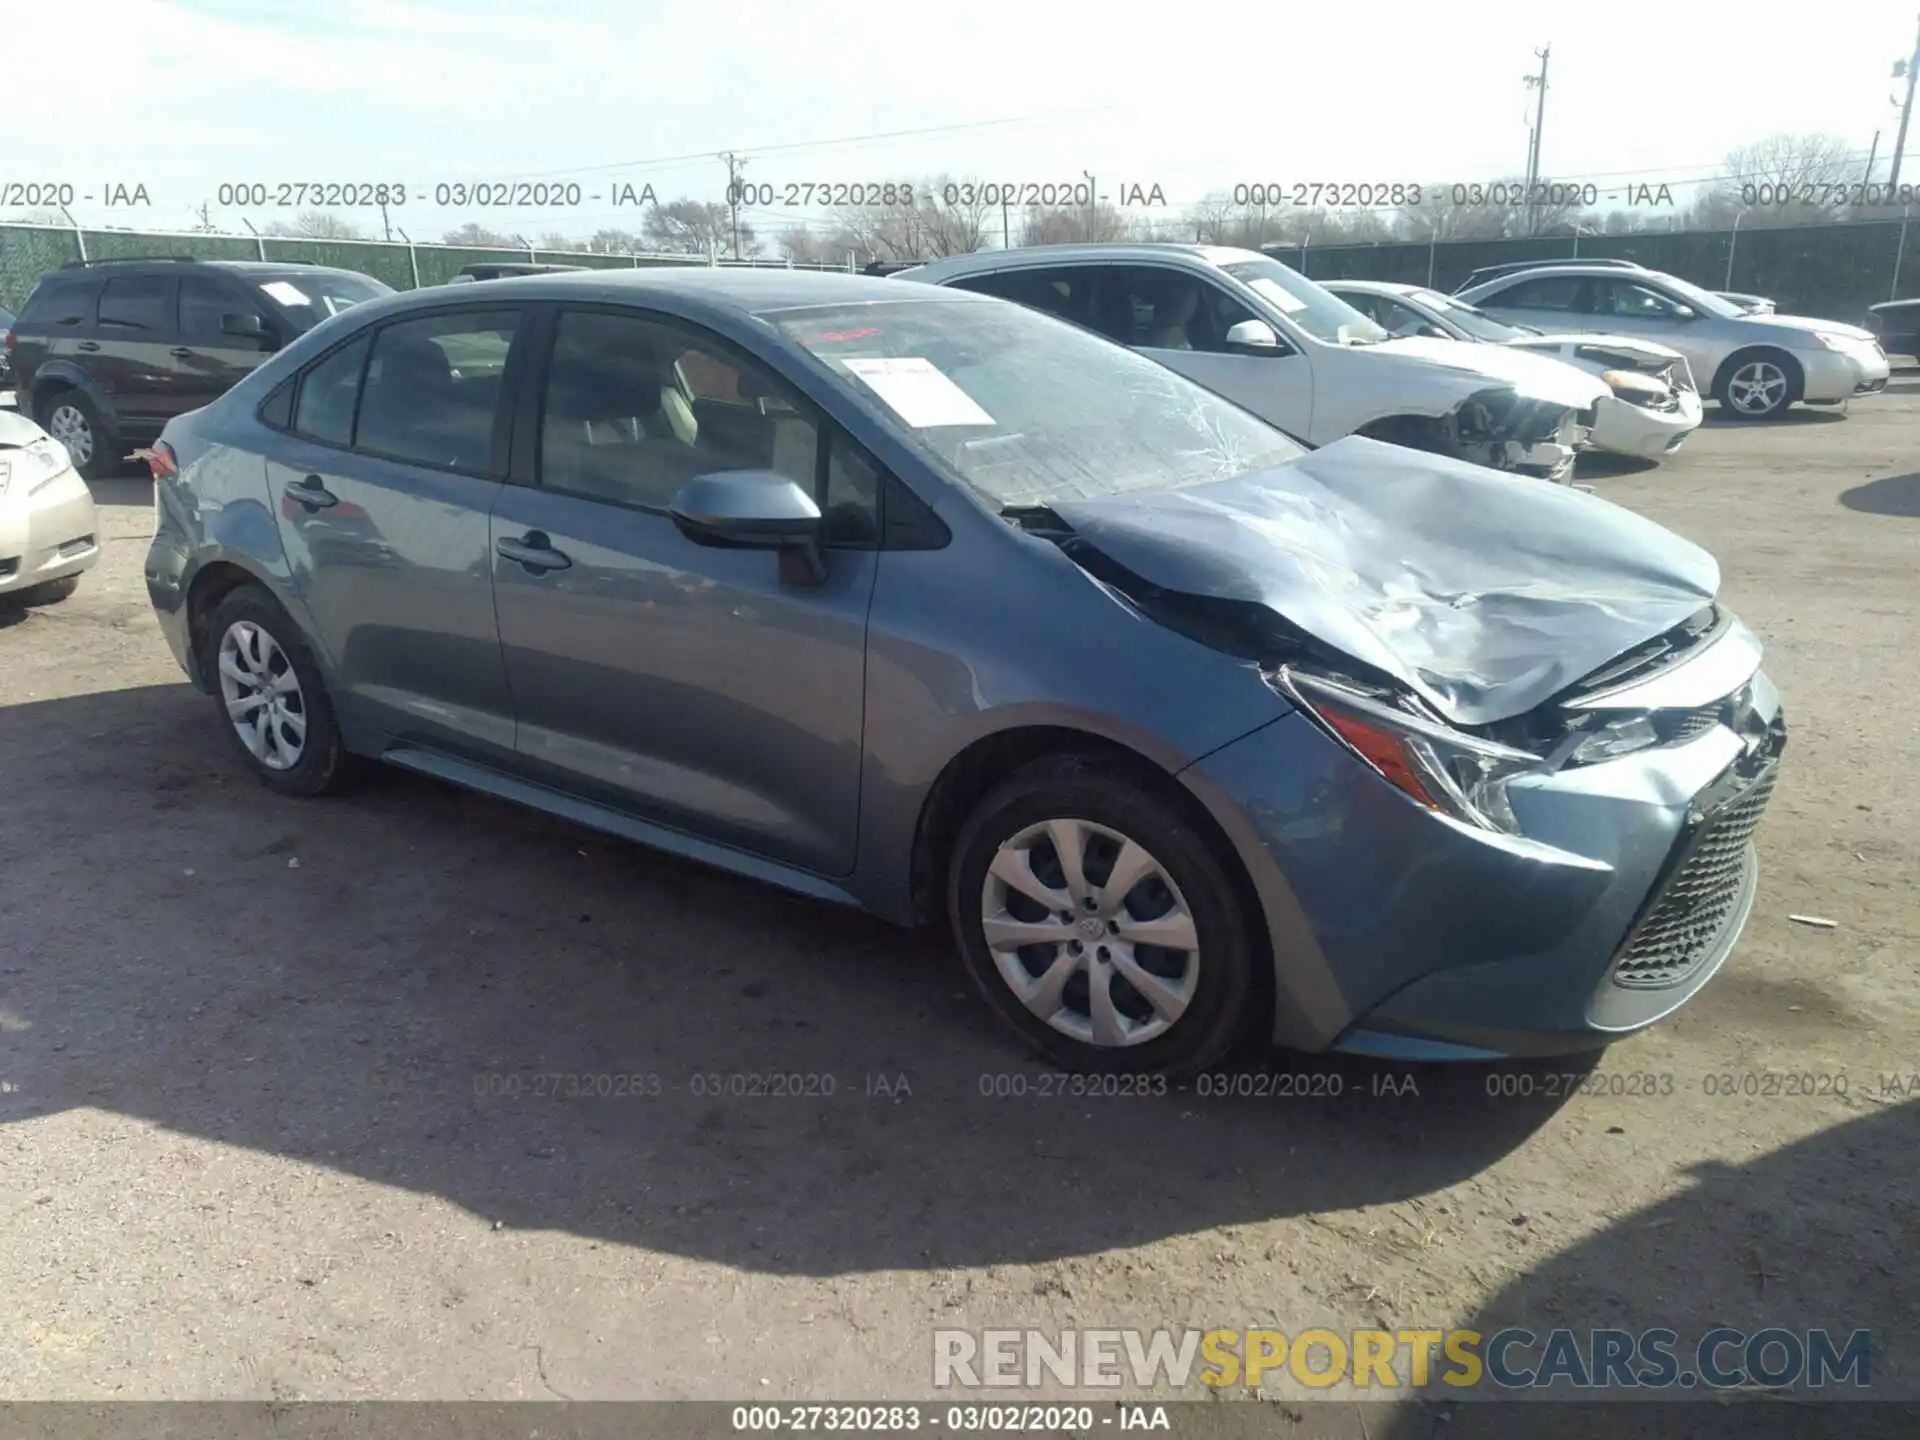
<point x="942" y="216"/>
<point x="1072" y="225"/>
<point x="615" y="242"/>
<point x="1784" y="179"/>
<point x="695" y="227"/>
<point x="316" y="225"/>
<point x="478" y="237"/>
<point x="1212" y="220"/>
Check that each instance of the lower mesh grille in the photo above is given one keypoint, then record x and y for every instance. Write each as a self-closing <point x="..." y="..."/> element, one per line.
<point x="1699" y="900"/>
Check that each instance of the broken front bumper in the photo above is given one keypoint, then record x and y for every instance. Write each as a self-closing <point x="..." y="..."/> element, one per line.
<point x="1397" y="933"/>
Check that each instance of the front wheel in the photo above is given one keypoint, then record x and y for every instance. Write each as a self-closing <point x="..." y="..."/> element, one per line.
<point x="1758" y="387"/>
<point x="272" y="699"/>
<point x="1102" y="924"/>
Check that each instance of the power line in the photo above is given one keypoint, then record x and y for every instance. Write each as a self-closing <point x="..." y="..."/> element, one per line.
<point x="844" y="141"/>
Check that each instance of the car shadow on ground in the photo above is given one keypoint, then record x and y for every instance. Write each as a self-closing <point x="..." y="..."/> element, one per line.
<point x="1891" y="495"/>
<point x="1820" y="1234"/>
<point x="383" y="984"/>
<point x="1718" y="419"/>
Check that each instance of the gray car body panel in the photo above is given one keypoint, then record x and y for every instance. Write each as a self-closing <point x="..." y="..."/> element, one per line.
<point x="1363" y="894"/>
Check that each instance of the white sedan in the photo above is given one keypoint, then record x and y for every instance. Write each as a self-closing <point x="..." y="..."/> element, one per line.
<point x="48" y="534"/>
<point x="1654" y="403"/>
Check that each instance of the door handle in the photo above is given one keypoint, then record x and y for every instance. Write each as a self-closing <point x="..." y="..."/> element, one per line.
<point x="88" y="345"/>
<point x="534" y="551"/>
<point x="181" y="352"/>
<point x="312" y="494"/>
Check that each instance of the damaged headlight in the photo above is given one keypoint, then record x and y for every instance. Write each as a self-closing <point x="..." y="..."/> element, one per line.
<point x="1612" y="740"/>
<point x="1432" y="764"/>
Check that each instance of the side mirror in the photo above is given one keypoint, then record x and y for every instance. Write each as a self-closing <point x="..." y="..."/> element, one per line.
<point x="1254" y="335"/>
<point x="1685" y="312"/>
<point x="754" y="510"/>
<point x="246" y="327"/>
<point x="1432" y="332"/>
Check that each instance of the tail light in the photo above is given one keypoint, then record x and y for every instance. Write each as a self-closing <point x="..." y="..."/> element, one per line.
<point x="161" y="460"/>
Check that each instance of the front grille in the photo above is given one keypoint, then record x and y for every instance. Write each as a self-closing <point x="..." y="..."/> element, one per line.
<point x="1699" y="899"/>
<point x="1680" y="726"/>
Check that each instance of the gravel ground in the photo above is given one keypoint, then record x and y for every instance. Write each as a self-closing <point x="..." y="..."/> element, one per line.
<point x="255" y="1140"/>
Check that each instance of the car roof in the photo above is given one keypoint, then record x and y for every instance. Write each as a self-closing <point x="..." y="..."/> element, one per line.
<point x="1099" y="253"/>
<point x="1376" y="287"/>
<point x="186" y="264"/>
<point x="1570" y="267"/>
<point x="741" y="290"/>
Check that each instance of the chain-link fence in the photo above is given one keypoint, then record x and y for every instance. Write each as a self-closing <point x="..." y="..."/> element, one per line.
<point x="29" y="251"/>
<point x="1831" y="272"/>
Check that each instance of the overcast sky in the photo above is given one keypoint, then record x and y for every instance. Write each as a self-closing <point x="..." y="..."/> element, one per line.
<point x="182" y="95"/>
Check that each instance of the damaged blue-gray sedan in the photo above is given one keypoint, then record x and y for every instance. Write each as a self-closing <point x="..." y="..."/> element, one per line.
<point x="931" y="604"/>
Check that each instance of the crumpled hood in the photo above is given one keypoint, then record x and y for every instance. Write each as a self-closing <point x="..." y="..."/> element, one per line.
<point x="1539" y="377"/>
<point x="1486" y="593"/>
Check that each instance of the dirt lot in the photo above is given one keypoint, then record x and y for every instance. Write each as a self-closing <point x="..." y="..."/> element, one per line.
<point x="248" y="1149"/>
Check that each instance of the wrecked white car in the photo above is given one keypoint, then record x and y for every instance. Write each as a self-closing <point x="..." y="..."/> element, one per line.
<point x="1653" y="404"/>
<point x="1266" y="337"/>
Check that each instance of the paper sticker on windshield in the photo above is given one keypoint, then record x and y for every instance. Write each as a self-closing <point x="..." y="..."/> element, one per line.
<point x="1277" y="294"/>
<point x="918" y="392"/>
<point x="286" y="294"/>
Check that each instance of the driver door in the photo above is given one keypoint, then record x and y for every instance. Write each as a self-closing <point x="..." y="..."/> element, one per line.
<point x="1145" y="306"/>
<point x="680" y="682"/>
<point x="1633" y="307"/>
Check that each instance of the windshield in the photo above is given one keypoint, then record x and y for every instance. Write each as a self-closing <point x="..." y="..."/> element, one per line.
<point x="1027" y="409"/>
<point x="306" y="297"/>
<point x="1476" y="323"/>
<point x="1319" y="312"/>
<point x="1705" y="301"/>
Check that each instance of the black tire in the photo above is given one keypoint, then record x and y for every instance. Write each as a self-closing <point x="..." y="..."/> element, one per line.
<point x="1230" y="990"/>
<point x="1736" y="365"/>
<point x="105" y="453"/>
<point x="324" y="767"/>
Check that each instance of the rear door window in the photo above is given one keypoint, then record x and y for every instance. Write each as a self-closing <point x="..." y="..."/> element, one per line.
<point x="64" y="303"/>
<point x="138" y="302"/>
<point x="432" y="389"/>
<point x="1548" y="292"/>
<point x="202" y="302"/>
<point x="329" y="393"/>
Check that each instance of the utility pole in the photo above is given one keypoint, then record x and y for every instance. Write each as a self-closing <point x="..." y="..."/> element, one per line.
<point x="1538" y="84"/>
<point x="1910" y="67"/>
<point x="734" y="167"/>
<point x="1873" y="153"/>
<point x="385" y="223"/>
<point x="1005" y="243"/>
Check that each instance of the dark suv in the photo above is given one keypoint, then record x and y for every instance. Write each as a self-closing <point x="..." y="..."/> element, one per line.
<point x="106" y="352"/>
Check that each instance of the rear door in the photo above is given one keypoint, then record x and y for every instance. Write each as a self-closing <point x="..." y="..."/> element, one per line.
<point x="210" y="361"/>
<point x="1636" y="307"/>
<point x="132" y="360"/>
<point x="689" y="684"/>
<point x="57" y="319"/>
<point x="383" y="490"/>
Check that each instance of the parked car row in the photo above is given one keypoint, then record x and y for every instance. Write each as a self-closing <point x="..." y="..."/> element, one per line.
<point x="903" y="597"/>
<point x="1301" y="358"/>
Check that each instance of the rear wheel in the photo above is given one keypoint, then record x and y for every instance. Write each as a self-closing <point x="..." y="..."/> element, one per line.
<point x="69" y="417"/>
<point x="1099" y="921"/>
<point x="272" y="699"/>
